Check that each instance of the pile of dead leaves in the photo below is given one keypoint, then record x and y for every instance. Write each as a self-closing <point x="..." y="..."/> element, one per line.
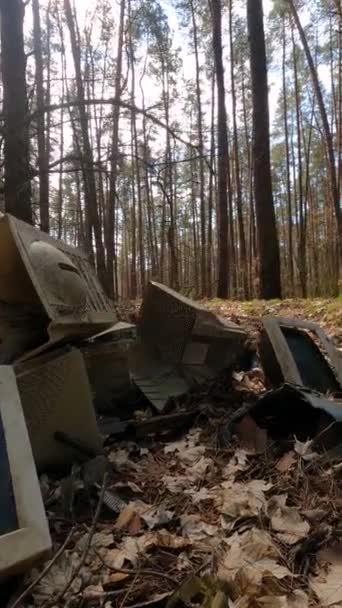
<point x="263" y="527"/>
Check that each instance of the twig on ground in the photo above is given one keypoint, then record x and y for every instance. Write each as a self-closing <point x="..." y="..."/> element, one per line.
<point x="130" y="588"/>
<point x="61" y="594"/>
<point x="44" y="572"/>
<point x="138" y="571"/>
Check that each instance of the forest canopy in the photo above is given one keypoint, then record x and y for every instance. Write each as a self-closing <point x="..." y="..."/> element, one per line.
<point x="195" y="142"/>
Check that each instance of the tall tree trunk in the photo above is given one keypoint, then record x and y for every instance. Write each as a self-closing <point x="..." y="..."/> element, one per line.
<point x="326" y="127"/>
<point x="242" y="239"/>
<point x="201" y="151"/>
<point x="222" y="145"/>
<point x="133" y="273"/>
<point x="302" y="235"/>
<point x="13" y="68"/>
<point x="270" y="285"/>
<point x="110" y="231"/>
<point x="288" y="172"/>
<point x="90" y="194"/>
<point x="210" y="272"/>
<point x="253" y="253"/>
<point x="43" y="154"/>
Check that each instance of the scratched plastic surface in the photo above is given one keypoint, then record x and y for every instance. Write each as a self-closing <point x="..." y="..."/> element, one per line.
<point x="8" y="514"/>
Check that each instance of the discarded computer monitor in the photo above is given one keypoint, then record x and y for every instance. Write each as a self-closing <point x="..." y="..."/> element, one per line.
<point x="49" y="291"/>
<point x="180" y="345"/>
<point x="24" y="532"/>
<point x="299" y="352"/>
<point x="106" y="357"/>
<point x="56" y="398"/>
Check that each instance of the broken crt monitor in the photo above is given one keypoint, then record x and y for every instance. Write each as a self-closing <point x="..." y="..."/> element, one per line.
<point x="106" y="357"/>
<point x="299" y="352"/>
<point x="48" y="291"/>
<point x="180" y="345"/>
<point x="56" y="398"/>
<point x="24" y="532"/>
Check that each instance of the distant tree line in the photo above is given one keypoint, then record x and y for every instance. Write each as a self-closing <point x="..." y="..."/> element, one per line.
<point x="108" y="143"/>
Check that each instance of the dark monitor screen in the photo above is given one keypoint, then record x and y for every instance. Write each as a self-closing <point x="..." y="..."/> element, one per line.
<point x="8" y="513"/>
<point x="314" y="370"/>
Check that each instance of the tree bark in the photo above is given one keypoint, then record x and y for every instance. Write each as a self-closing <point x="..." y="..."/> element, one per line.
<point x="242" y="238"/>
<point x="302" y="235"/>
<point x="201" y="151"/>
<point x="222" y="144"/>
<point x="110" y="246"/>
<point x="88" y="163"/>
<point x="43" y="154"/>
<point x="325" y="124"/>
<point x="270" y="285"/>
<point x="16" y="142"/>
<point x="288" y="172"/>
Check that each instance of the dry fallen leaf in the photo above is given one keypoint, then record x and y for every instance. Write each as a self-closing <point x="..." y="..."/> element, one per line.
<point x="286" y="520"/>
<point x="314" y="515"/>
<point x="249" y="558"/>
<point x="128" y="550"/>
<point x="98" y="541"/>
<point x="92" y="592"/>
<point x="286" y="462"/>
<point x="198" y="495"/>
<point x="120" y="458"/>
<point x="243" y="499"/>
<point x="153" y="516"/>
<point x="56" y="579"/>
<point x="252" y="438"/>
<point x="135" y="525"/>
<point x="128" y="484"/>
<point x="175" y="484"/>
<point x="297" y="599"/>
<point x="115" y="577"/>
<point x="125" y="517"/>
<point x="304" y="449"/>
<point x="198" y="531"/>
<point x="328" y="584"/>
<point x="238" y="462"/>
<point x="165" y="539"/>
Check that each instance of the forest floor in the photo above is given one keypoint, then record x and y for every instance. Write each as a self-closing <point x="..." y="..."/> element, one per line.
<point x="208" y="522"/>
<point x="325" y="311"/>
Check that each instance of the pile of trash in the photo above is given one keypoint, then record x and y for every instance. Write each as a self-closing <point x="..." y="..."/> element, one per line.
<point x="175" y="462"/>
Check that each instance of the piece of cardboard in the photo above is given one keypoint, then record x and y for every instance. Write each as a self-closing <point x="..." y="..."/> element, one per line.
<point x="24" y="535"/>
<point x="180" y="344"/>
<point x="56" y="396"/>
<point x="51" y="281"/>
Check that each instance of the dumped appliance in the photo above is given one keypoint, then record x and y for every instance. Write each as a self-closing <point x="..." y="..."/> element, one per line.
<point x="49" y="292"/>
<point x="296" y="411"/>
<point x="56" y="398"/>
<point x="299" y="352"/>
<point x="180" y="345"/>
<point x="106" y="358"/>
<point x="24" y="532"/>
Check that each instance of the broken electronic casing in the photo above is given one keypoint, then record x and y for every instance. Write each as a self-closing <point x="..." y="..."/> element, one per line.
<point x="24" y="532"/>
<point x="56" y="396"/>
<point x="180" y="345"/>
<point x="54" y="282"/>
<point x="289" y="354"/>
<point x="106" y="359"/>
